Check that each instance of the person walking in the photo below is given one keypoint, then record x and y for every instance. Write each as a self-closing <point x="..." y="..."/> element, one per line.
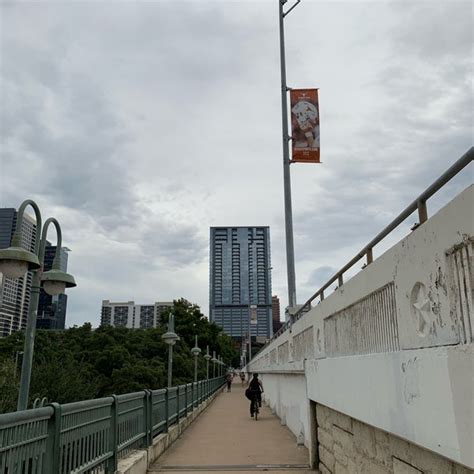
<point x="229" y="381"/>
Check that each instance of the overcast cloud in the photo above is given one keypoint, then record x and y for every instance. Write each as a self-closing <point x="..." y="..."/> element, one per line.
<point x="141" y="124"/>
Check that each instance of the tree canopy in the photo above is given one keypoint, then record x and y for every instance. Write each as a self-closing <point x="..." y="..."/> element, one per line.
<point x="81" y="363"/>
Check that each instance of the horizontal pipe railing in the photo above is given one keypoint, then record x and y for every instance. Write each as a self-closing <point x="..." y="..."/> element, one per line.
<point x="418" y="204"/>
<point x="94" y="434"/>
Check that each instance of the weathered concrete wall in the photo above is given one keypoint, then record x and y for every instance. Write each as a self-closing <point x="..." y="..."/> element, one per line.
<point x="393" y="347"/>
<point x="347" y="446"/>
<point x="424" y="396"/>
<point x="286" y="394"/>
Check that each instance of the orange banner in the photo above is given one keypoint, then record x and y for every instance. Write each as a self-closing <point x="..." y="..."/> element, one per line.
<point x="305" y="125"/>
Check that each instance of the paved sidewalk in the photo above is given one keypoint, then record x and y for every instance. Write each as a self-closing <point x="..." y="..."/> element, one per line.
<point x="226" y="439"/>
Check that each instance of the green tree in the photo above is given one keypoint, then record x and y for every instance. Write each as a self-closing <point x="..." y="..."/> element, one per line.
<point x="81" y="363"/>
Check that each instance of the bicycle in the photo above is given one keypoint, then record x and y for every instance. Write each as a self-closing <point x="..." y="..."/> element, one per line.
<point x="255" y="406"/>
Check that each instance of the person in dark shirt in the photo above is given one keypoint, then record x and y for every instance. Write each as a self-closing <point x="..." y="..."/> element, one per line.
<point x="255" y="389"/>
<point x="229" y="381"/>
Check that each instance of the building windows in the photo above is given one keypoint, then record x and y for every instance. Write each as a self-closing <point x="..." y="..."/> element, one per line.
<point x="130" y="315"/>
<point x="240" y="276"/>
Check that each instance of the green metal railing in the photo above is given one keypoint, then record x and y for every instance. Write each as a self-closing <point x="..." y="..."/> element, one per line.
<point x="91" y="436"/>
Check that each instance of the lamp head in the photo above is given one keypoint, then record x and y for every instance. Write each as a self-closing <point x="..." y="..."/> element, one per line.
<point x="55" y="281"/>
<point x="16" y="261"/>
<point x="170" y="338"/>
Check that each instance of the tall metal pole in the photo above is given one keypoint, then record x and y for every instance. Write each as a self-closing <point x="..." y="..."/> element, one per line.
<point x="195" y="369"/>
<point x="27" y="362"/>
<point x="290" y="251"/>
<point x="170" y="365"/>
<point x="207" y="357"/>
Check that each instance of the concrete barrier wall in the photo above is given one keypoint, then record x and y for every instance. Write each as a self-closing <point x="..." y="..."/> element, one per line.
<point x="286" y="396"/>
<point x="393" y="347"/>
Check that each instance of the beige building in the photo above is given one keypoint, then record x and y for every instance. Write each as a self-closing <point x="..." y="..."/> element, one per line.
<point x="131" y="315"/>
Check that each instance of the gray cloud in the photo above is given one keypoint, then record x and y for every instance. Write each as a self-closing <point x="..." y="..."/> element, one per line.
<point x="139" y="125"/>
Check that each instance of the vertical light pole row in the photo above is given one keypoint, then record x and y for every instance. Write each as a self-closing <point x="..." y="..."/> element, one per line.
<point x="170" y="338"/>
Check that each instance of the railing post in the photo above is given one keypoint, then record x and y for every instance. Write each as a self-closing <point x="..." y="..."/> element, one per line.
<point x="113" y="440"/>
<point x="185" y="400"/>
<point x="53" y="445"/>
<point x="370" y="256"/>
<point x="148" y="417"/>
<point x="321" y="296"/>
<point x="177" y="405"/>
<point x="167" y="409"/>
<point x="340" y="280"/>
<point x="422" y="211"/>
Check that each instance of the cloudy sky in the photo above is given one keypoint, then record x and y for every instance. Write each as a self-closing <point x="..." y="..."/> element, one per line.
<point x="141" y="124"/>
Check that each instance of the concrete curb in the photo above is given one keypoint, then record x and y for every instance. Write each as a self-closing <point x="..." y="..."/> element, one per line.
<point x="138" y="462"/>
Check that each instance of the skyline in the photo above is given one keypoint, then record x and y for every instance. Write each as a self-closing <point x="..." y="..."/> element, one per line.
<point x="116" y="119"/>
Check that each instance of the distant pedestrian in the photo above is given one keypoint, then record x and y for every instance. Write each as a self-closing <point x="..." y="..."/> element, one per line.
<point x="242" y="378"/>
<point x="229" y="381"/>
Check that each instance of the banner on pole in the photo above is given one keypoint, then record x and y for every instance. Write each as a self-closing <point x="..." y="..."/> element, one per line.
<point x="305" y="125"/>
<point x="253" y="314"/>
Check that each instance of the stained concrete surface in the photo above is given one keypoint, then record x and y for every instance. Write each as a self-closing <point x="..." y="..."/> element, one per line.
<point x="226" y="439"/>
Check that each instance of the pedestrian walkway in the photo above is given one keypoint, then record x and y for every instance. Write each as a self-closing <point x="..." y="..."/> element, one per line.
<point x="226" y="439"/>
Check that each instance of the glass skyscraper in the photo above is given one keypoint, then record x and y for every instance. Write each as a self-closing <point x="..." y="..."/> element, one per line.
<point x="240" y="279"/>
<point x="15" y="294"/>
<point x="52" y="309"/>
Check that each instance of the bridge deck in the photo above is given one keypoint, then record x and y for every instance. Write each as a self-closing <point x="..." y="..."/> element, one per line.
<point x="225" y="439"/>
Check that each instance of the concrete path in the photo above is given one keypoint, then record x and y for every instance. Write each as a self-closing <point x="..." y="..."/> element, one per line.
<point x="226" y="439"/>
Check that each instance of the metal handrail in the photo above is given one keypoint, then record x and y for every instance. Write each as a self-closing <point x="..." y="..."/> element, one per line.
<point x="418" y="204"/>
<point x="60" y="438"/>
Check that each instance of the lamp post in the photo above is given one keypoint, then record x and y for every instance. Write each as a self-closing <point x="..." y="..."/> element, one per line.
<point x="290" y="252"/>
<point x="195" y="351"/>
<point x="14" y="263"/>
<point x="214" y="361"/>
<point x="208" y="358"/>
<point x="170" y="338"/>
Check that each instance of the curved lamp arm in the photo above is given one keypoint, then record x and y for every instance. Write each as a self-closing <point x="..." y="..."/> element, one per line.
<point x="16" y="240"/>
<point x="59" y="234"/>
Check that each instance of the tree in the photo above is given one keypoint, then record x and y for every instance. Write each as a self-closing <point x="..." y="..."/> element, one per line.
<point x="81" y="363"/>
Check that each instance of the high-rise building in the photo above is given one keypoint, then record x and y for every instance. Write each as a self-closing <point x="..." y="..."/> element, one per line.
<point x="240" y="280"/>
<point x="15" y="294"/>
<point x="52" y="309"/>
<point x="131" y="315"/>
<point x="276" y="313"/>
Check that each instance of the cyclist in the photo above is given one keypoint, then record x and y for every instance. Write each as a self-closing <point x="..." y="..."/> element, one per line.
<point x="255" y="391"/>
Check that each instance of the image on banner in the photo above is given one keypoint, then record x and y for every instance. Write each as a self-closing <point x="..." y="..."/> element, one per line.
<point x="305" y="125"/>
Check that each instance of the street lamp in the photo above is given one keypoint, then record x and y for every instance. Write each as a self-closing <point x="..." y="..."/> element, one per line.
<point x="14" y="263"/>
<point x="170" y="338"/>
<point x="195" y="351"/>
<point x="208" y="358"/>
<point x="214" y="361"/>
<point x="221" y="366"/>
